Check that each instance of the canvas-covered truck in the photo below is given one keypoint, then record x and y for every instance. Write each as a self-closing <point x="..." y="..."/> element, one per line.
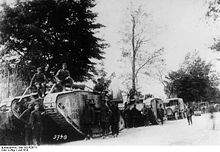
<point x="175" y="108"/>
<point x="152" y="105"/>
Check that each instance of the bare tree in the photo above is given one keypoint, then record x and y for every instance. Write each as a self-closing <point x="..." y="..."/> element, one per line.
<point x="135" y="39"/>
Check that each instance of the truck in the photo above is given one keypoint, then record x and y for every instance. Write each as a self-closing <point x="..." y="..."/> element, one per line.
<point x="175" y="108"/>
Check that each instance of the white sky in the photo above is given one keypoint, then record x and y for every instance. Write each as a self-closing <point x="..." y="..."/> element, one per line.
<point x="182" y="29"/>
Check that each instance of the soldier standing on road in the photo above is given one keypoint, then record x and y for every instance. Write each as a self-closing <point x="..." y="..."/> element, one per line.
<point x="63" y="77"/>
<point x="114" y="119"/>
<point x="126" y="115"/>
<point x="189" y="114"/>
<point x="144" y="112"/>
<point x="36" y="125"/>
<point x="88" y="119"/>
<point x="105" y="115"/>
<point x="25" y="117"/>
<point x="39" y="80"/>
<point x="160" y="113"/>
<point x="135" y="115"/>
<point x="212" y="117"/>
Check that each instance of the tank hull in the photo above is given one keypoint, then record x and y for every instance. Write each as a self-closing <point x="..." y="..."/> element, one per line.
<point x="66" y="109"/>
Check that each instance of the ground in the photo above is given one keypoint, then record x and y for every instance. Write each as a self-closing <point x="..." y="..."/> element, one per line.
<point x="175" y="132"/>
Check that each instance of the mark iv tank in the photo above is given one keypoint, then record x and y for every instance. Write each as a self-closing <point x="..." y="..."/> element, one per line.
<point x="63" y="112"/>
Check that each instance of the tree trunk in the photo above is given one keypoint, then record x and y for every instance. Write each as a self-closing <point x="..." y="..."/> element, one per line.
<point x="134" y="54"/>
<point x="8" y="81"/>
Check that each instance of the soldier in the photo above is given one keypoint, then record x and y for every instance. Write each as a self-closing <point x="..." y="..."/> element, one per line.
<point x="88" y="116"/>
<point x="36" y="124"/>
<point x="189" y="115"/>
<point x="212" y="116"/>
<point x="114" y="119"/>
<point x="135" y="116"/>
<point x="104" y="118"/>
<point x="145" y="114"/>
<point x="63" y="78"/>
<point x="160" y="113"/>
<point x="125" y="114"/>
<point x="25" y="117"/>
<point x="39" y="80"/>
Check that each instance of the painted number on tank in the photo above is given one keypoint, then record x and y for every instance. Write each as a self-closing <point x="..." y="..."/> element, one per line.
<point x="60" y="137"/>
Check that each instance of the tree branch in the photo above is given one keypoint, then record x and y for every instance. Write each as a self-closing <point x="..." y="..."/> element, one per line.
<point x="156" y="54"/>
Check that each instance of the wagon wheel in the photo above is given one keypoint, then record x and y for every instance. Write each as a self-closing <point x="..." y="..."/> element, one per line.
<point x="176" y="115"/>
<point x="121" y="123"/>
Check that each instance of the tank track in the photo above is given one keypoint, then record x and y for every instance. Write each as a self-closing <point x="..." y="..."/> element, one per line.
<point x="65" y="123"/>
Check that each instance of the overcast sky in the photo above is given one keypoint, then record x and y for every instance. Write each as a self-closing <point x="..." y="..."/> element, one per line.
<point x="182" y="25"/>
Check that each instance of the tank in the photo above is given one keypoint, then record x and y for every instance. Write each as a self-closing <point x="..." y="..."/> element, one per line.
<point x="152" y="104"/>
<point x="65" y="108"/>
<point x="11" y="129"/>
<point x="63" y="112"/>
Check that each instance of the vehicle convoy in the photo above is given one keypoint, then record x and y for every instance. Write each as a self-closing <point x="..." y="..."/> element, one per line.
<point x="63" y="112"/>
<point x="175" y="108"/>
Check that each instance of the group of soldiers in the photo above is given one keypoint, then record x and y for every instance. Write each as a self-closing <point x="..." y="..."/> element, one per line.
<point x="33" y="124"/>
<point x="31" y="117"/>
<point x="62" y="78"/>
<point x="108" y="119"/>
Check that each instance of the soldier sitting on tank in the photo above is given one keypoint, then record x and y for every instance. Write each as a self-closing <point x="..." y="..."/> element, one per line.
<point x="39" y="80"/>
<point x="63" y="78"/>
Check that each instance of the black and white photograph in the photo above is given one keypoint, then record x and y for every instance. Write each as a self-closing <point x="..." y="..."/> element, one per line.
<point x="109" y="72"/>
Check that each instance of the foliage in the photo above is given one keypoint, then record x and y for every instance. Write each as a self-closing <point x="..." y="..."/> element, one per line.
<point x="103" y="82"/>
<point x="49" y="32"/>
<point x="213" y="14"/>
<point x="194" y="81"/>
<point x="213" y="9"/>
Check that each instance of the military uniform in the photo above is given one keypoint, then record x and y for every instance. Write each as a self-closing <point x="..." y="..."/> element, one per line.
<point x="160" y="114"/>
<point x="114" y="120"/>
<point x="64" y="77"/>
<point x="39" y="79"/>
<point x="25" y="117"/>
<point x="37" y="126"/>
<point x="88" y="119"/>
<point x="104" y="119"/>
